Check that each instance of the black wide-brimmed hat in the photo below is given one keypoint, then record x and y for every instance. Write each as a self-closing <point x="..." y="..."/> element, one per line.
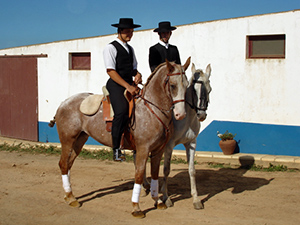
<point x="126" y="23"/>
<point x="164" y="27"/>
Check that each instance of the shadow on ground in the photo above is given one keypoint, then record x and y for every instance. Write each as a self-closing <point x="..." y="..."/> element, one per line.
<point x="212" y="182"/>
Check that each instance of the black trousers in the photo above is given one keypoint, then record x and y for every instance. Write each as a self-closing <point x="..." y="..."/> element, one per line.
<point x="121" y="111"/>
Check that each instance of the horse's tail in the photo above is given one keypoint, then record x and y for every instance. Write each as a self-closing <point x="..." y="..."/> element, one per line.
<point x="52" y="122"/>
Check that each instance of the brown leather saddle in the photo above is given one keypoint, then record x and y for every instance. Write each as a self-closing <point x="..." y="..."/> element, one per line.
<point x="108" y="118"/>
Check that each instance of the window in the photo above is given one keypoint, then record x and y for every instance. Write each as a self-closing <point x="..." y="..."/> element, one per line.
<point x="80" y="61"/>
<point x="266" y="46"/>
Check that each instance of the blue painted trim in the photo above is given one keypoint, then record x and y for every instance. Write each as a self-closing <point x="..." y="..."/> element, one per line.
<point x="251" y="137"/>
<point x="49" y="134"/>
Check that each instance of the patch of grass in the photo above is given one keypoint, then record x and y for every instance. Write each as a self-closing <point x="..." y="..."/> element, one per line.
<point x="37" y="149"/>
<point x="108" y="155"/>
<point x="53" y="150"/>
<point x="85" y="154"/>
<point x="270" y="168"/>
<point x="177" y="160"/>
<point x="101" y="155"/>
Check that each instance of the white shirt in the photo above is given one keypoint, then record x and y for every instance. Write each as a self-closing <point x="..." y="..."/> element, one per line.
<point x="110" y="54"/>
<point x="166" y="45"/>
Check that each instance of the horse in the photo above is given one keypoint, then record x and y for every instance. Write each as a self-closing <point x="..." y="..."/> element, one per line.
<point x="186" y="132"/>
<point x="162" y="95"/>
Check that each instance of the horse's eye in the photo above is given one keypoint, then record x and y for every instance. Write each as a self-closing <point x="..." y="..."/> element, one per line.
<point x="173" y="86"/>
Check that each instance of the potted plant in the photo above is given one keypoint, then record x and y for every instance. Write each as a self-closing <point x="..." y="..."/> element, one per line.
<point x="227" y="143"/>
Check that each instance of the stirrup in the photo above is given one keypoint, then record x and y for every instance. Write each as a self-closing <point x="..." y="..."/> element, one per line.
<point x="118" y="155"/>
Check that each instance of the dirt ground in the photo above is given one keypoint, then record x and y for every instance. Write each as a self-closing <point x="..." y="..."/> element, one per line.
<point x="31" y="193"/>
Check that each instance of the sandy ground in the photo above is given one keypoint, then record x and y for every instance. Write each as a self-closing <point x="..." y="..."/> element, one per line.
<point x="31" y="193"/>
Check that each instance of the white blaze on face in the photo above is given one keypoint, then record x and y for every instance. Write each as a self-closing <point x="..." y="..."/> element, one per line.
<point x="179" y="111"/>
<point x="179" y="99"/>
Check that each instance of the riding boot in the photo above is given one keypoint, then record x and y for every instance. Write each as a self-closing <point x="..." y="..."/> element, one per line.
<point x="118" y="155"/>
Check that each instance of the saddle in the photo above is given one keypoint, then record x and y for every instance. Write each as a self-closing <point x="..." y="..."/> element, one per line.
<point x="92" y="103"/>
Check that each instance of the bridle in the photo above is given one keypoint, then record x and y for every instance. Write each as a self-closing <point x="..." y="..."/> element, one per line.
<point x="203" y="97"/>
<point x="167" y="82"/>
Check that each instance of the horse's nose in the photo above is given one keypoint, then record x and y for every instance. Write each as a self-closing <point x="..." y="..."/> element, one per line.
<point x="201" y="116"/>
<point x="179" y="116"/>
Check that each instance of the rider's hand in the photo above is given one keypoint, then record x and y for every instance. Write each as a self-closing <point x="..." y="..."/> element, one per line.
<point x="137" y="78"/>
<point x="132" y="89"/>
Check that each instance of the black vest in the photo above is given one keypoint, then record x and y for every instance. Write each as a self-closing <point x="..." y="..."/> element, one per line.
<point x="158" y="54"/>
<point x="124" y="62"/>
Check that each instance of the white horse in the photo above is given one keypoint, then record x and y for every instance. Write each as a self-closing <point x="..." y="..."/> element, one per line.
<point x="187" y="130"/>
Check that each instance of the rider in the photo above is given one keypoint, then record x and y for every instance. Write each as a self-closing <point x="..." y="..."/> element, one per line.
<point x="163" y="50"/>
<point x="121" y="66"/>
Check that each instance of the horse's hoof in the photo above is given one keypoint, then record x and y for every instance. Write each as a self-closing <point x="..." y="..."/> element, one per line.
<point x="169" y="203"/>
<point x="71" y="200"/>
<point x="160" y="205"/>
<point x="198" y="205"/>
<point x="138" y="214"/>
<point x="75" y="204"/>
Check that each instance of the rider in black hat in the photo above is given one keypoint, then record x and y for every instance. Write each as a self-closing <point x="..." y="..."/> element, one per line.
<point x="163" y="50"/>
<point x="121" y="66"/>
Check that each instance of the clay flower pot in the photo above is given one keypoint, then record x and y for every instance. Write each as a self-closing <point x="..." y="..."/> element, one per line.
<point x="227" y="146"/>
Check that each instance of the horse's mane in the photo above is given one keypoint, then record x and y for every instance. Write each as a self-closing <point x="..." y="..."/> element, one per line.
<point x="154" y="72"/>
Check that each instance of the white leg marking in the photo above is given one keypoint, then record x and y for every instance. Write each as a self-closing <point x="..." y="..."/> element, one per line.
<point x="66" y="183"/>
<point x="136" y="193"/>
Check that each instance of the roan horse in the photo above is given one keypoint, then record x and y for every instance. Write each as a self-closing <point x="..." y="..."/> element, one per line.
<point x="187" y="130"/>
<point x="164" y="90"/>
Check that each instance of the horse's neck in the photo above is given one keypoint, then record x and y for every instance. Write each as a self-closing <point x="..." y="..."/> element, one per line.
<point x="189" y="94"/>
<point x="157" y="91"/>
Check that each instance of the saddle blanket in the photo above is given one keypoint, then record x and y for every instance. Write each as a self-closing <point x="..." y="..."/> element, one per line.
<point x="91" y="104"/>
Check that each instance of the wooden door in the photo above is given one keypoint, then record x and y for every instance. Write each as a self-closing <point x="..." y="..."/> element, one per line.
<point x="19" y="97"/>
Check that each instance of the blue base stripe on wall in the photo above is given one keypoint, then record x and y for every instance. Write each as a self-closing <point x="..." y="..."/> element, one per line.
<point x="49" y="134"/>
<point x="251" y="137"/>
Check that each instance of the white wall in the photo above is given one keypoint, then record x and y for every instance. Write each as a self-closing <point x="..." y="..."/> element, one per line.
<point x="246" y="90"/>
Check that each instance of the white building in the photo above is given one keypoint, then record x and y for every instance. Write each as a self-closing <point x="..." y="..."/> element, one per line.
<point x="255" y="64"/>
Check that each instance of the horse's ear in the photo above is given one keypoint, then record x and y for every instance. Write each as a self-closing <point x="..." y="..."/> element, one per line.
<point x="208" y="70"/>
<point x="193" y="68"/>
<point x="187" y="63"/>
<point x="169" y="66"/>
